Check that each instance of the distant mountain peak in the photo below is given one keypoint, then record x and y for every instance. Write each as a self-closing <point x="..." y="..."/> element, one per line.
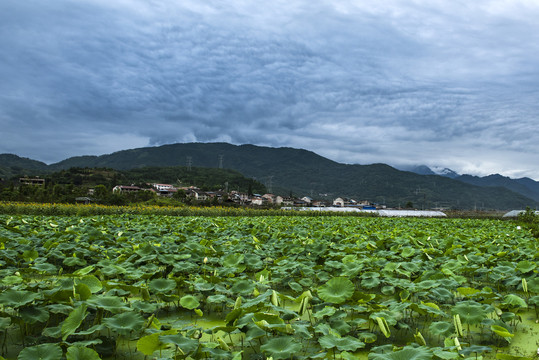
<point x="445" y="172"/>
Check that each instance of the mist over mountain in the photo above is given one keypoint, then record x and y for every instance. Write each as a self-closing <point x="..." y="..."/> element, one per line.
<point x="304" y="173"/>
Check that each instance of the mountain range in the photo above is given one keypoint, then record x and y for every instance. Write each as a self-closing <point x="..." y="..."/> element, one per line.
<point x="304" y="173"/>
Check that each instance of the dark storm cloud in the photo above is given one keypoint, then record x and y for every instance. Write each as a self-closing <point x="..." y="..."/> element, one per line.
<point x="447" y="84"/>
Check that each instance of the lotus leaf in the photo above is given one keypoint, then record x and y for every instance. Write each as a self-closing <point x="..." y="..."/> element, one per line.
<point x="501" y="331"/>
<point x="145" y="307"/>
<point x="526" y="266"/>
<point x="93" y="283"/>
<point x="347" y="343"/>
<point x="474" y="349"/>
<point x="17" y="298"/>
<point x="45" y="268"/>
<point x="73" y="321"/>
<point x="150" y="343"/>
<point x="81" y="353"/>
<point x="4" y="323"/>
<point x="326" y="311"/>
<point x="470" y="312"/>
<point x="281" y="347"/>
<point x="243" y="287"/>
<point x="33" y="314"/>
<point x="232" y="260"/>
<point x="125" y="323"/>
<point x="336" y="290"/>
<point x="512" y="300"/>
<point x="41" y="352"/>
<point x="162" y="286"/>
<point x="185" y="344"/>
<point x="114" y="304"/>
<point x="189" y="302"/>
<point x="407" y="353"/>
<point x="441" y="328"/>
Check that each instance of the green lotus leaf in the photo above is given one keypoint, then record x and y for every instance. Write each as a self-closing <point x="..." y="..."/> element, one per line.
<point x="93" y="283"/>
<point x="30" y="255"/>
<point x="83" y="291"/>
<point x="347" y="343"/>
<point x="513" y="300"/>
<point x="336" y="290"/>
<point x="367" y="337"/>
<point x="326" y="311"/>
<point x="45" y="268"/>
<point x="441" y="328"/>
<point x="407" y="252"/>
<point x="81" y="353"/>
<point x="4" y="323"/>
<point x="445" y="355"/>
<point x="53" y="332"/>
<point x="501" y="331"/>
<point x="526" y="266"/>
<point x="407" y="353"/>
<point x="73" y="321"/>
<point x="474" y="349"/>
<point x="533" y="285"/>
<point x="243" y="287"/>
<point x="216" y="299"/>
<point x="144" y="306"/>
<point x="48" y="351"/>
<point x="232" y="260"/>
<point x="12" y="280"/>
<point x="74" y="261"/>
<point x="162" y="286"/>
<point x="470" y="312"/>
<point x="189" y="302"/>
<point x="150" y="343"/>
<point x="281" y="347"/>
<point x="370" y="282"/>
<point x="185" y="344"/>
<point x="114" y="304"/>
<point x="33" y="314"/>
<point x="125" y="323"/>
<point x="17" y="298"/>
<point x="113" y="270"/>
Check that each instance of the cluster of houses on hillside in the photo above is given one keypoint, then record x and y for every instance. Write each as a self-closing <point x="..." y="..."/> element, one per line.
<point x="242" y="198"/>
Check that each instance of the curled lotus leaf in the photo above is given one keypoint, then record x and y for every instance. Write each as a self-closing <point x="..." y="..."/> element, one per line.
<point x="336" y="290"/>
<point x="281" y="347"/>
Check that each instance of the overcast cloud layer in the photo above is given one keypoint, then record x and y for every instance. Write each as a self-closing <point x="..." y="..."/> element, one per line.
<point x="442" y="83"/>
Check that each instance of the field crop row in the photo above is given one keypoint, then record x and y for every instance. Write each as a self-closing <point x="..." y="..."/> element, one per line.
<point x="131" y="286"/>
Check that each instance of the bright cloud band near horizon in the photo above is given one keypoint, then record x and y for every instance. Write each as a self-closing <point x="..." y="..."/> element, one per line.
<point x="447" y="84"/>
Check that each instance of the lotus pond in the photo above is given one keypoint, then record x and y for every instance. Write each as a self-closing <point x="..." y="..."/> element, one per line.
<point x="159" y="287"/>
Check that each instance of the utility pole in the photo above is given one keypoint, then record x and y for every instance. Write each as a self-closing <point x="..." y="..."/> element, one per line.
<point x="189" y="162"/>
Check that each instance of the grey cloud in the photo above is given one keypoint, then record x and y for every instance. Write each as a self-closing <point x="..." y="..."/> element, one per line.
<point x="354" y="81"/>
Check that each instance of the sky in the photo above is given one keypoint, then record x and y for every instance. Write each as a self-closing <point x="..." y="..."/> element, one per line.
<point x="404" y="82"/>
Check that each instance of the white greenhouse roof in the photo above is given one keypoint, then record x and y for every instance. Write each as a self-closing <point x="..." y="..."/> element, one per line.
<point x="515" y="213"/>
<point x="385" y="212"/>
